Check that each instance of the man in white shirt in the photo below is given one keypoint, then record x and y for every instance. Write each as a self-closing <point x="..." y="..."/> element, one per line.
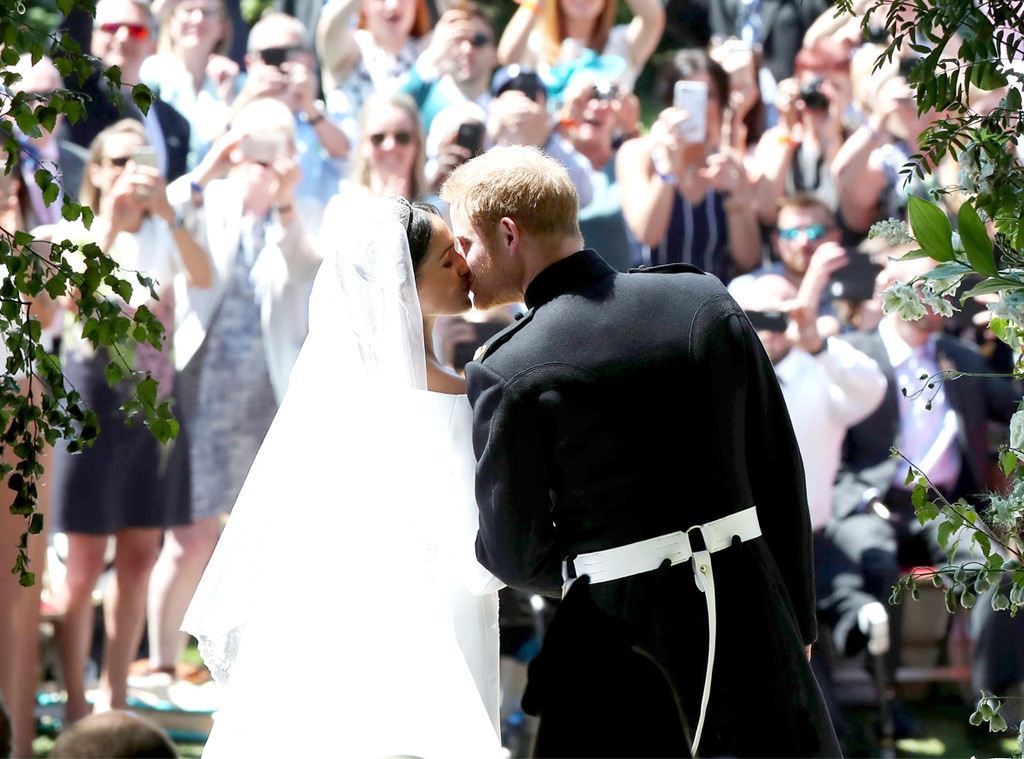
<point x="943" y="430"/>
<point x="829" y="386"/>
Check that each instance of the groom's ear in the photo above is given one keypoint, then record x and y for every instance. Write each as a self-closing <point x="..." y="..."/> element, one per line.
<point x="509" y="234"/>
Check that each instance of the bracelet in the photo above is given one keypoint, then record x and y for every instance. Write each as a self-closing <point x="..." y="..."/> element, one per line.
<point x="820" y="350"/>
<point x="197" y="193"/>
<point x="178" y="222"/>
<point x="668" y="178"/>
<point x="314" y="120"/>
<point x="284" y="209"/>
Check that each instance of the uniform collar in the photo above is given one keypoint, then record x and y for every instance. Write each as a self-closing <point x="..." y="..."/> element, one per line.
<point x="579" y="270"/>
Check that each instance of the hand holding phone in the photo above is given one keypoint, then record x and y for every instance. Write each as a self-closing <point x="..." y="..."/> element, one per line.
<point x="692" y="97"/>
<point x="145" y="155"/>
<point x="262" y="148"/>
<point x="471" y="137"/>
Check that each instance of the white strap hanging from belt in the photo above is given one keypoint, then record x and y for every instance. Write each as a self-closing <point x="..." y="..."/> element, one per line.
<point x="647" y="555"/>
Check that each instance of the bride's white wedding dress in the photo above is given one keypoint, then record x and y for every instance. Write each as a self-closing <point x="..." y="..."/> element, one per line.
<point x="343" y="609"/>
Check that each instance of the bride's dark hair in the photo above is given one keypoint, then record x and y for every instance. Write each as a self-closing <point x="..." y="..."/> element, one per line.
<point x="419" y="229"/>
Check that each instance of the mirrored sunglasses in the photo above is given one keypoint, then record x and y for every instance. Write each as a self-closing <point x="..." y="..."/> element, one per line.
<point x="137" y="32"/>
<point x="402" y="138"/>
<point x="813" y="232"/>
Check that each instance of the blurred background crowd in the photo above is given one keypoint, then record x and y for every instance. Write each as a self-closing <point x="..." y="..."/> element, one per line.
<point x="755" y="139"/>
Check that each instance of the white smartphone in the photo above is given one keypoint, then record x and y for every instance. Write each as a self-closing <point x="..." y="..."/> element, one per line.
<point x="263" y="147"/>
<point x="144" y="155"/>
<point x="692" y="97"/>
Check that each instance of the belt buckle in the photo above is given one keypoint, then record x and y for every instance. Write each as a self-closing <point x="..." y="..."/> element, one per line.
<point x="703" y="543"/>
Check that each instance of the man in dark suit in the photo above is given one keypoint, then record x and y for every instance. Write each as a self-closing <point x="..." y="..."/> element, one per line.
<point x="943" y="431"/>
<point x="632" y="443"/>
<point x="124" y="35"/>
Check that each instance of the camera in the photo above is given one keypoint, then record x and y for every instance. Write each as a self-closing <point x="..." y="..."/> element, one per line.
<point x="604" y="91"/>
<point x="813" y="97"/>
<point x="768" y="321"/>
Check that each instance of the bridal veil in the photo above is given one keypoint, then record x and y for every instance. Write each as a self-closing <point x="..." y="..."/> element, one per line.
<point x="321" y="612"/>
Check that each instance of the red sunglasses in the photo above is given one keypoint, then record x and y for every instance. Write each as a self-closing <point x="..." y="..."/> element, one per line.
<point x="137" y="32"/>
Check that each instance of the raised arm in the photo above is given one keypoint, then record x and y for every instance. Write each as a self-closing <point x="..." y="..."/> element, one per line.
<point x="336" y="46"/>
<point x="645" y="29"/>
<point x="514" y="47"/>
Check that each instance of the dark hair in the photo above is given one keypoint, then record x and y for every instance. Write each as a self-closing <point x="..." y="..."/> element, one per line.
<point x="683" y="65"/>
<point x="114" y="734"/>
<point x="419" y="228"/>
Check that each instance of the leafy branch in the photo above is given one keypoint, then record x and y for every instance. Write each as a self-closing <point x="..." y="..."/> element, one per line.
<point x="38" y="407"/>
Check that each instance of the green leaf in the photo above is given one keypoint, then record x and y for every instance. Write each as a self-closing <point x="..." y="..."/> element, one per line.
<point x="986" y="76"/>
<point x="977" y="243"/>
<point x="114" y="373"/>
<point x="1012" y="100"/>
<point x="932" y="229"/>
<point x="1008" y="462"/>
<point x="986" y="287"/>
<point x="945" y="532"/>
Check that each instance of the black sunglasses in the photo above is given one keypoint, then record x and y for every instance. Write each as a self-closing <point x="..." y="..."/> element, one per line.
<point x="402" y="138"/>
<point x="120" y="160"/>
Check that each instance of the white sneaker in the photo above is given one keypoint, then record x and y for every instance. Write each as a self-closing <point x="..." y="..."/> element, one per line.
<point x="873" y="621"/>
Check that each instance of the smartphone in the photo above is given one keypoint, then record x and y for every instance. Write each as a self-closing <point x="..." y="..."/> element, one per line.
<point x="262" y="148"/>
<point x="856" y="280"/>
<point x="471" y="137"/>
<point x="145" y="155"/>
<point x="692" y="97"/>
<point x="276" y="56"/>
<point x="768" y="321"/>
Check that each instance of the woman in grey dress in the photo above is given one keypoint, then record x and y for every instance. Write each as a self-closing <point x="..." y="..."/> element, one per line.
<point x="234" y="348"/>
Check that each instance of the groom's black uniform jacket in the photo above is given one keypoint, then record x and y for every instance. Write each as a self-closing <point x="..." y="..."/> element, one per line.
<point x="626" y="406"/>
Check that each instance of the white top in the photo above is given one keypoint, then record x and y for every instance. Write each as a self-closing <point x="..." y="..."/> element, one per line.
<point x="826" y="395"/>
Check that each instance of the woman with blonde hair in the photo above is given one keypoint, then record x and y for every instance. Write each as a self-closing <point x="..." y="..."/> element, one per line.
<point x="191" y="70"/>
<point x="391" y="153"/>
<point x="117" y="487"/>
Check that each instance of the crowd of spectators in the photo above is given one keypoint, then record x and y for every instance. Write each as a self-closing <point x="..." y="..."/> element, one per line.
<point x="770" y="182"/>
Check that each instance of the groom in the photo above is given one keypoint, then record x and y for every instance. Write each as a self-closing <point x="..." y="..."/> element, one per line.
<point x="632" y="443"/>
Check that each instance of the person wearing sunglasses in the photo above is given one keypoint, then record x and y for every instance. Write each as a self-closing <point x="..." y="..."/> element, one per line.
<point x="457" y="65"/>
<point x="279" y="64"/>
<point x="191" y="69"/>
<point x="390" y="156"/>
<point x="118" y="487"/>
<point x="124" y="35"/>
<point x="807" y="245"/>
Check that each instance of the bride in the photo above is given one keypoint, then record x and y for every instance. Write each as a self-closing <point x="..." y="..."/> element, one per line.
<point x="344" y="610"/>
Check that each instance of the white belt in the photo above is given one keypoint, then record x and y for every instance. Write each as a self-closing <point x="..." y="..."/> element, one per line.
<point x="647" y="555"/>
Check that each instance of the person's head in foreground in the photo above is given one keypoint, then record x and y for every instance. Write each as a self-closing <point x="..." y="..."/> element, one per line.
<point x="113" y="735"/>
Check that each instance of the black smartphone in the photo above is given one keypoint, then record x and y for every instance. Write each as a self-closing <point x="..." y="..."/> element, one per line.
<point x="275" y="56"/>
<point x="471" y="136"/>
<point x="768" y="321"/>
<point x="856" y="280"/>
